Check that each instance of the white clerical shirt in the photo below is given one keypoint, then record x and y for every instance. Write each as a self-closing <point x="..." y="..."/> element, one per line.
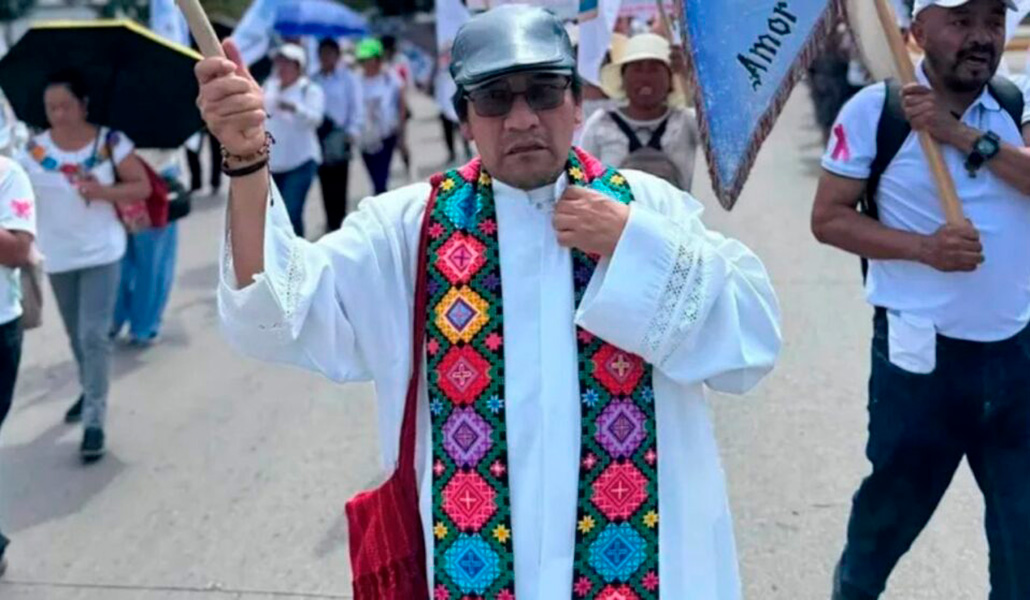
<point x="696" y="305"/>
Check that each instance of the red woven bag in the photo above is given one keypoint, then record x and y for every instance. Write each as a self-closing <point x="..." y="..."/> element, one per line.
<point x="387" y="550"/>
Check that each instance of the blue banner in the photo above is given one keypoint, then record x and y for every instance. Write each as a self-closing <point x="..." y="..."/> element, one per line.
<point x="746" y="56"/>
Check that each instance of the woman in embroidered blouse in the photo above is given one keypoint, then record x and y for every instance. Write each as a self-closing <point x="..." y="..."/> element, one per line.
<point x="80" y="173"/>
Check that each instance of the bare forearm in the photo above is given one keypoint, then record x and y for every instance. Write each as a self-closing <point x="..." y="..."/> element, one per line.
<point x="1012" y="164"/>
<point x="127" y="193"/>
<point x="853" y="232"/>
<point x="15" y="249"/>
<point x="248" y="202"/>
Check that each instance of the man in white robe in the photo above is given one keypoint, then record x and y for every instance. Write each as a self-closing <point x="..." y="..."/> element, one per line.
<point x="695" y="305"/>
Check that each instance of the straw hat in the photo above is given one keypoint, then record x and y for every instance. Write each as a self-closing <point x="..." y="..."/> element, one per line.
<point x="645" y="46"/>
<point x="617" y="47"/>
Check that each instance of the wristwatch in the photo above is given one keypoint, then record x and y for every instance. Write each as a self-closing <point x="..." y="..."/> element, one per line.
<point x="987" y="146"/>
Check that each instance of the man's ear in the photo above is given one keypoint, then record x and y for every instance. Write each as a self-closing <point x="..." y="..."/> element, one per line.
<point x="466" y="131"/>
<point x="918" y="30"/>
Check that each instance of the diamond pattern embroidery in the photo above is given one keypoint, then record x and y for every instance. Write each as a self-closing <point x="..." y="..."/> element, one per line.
<point x="469" y="501"/>
<point x="472" y="564"/>
<point x="617" y="515"/>
<point x="621" y="428"/>
<point x="619" y="491"/>
<point x="467" y="437"/>
<point x="617" y="553"/>
<point x="461" y="257"/>
<point x="617" y="592"/>
<point x="619" y="372"/>
<point x="461" y="314"/>
<point x="463" y="374"/>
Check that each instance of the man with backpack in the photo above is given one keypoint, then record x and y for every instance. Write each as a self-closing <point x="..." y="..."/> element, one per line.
<point x="951" y="347"/>
<point x="653" y="131"/>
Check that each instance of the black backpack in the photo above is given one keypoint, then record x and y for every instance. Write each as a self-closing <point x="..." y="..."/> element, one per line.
<point x="648" y="158"/>
<point x="893" y="130"/>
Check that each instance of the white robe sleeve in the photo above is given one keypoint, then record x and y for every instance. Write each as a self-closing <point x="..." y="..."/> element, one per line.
<point x="342" y="306"/>
<point x="693" y="303"/>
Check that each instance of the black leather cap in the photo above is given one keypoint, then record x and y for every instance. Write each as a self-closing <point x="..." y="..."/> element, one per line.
<point x="511" y="38"/>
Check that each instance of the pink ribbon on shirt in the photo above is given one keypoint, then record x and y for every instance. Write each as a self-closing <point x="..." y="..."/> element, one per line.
<point x="22" y="208"/>
<point x="840" y="149"/>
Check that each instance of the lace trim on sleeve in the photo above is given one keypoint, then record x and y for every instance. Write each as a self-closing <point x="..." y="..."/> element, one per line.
<point x="681" y="301"/>
<point x="294" y="279"/>
<point x="289" y="295"/>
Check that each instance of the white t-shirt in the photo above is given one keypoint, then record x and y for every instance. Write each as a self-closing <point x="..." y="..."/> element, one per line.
<point x="73" y="232"/>
<point x="382" y="95"/>
<point x="17" y="213"/>
<point x="603" y="138"/>
<point x="987" y="305"/>
<point x="295" y="132"/>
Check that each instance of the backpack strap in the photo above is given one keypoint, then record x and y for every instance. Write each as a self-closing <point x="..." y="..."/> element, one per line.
<point x="656" y="137"/>
<point x="1009" y="96"/>
<point x="891" y="133"/>
<point x="634" y="141"/>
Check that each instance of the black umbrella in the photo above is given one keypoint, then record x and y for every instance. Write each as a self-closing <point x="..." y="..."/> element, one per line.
<point x="140" y="83"/>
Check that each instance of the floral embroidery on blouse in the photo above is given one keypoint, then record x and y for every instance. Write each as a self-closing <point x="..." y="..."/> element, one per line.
<point x="74" y="171"/>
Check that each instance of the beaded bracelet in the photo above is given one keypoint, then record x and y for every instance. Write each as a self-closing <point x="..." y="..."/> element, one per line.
<point x="261" y="156"/>
<point x="244" y="171"/>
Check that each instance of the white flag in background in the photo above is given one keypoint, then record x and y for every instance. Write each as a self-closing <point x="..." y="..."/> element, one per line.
<point x="596" y="23"/>
<point x="253" y="35"/>
<point x="167" y="21"/>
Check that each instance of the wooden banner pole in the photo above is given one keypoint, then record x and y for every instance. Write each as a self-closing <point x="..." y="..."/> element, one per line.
<point x="950" y="202"/>
<point x="201" y="28"/>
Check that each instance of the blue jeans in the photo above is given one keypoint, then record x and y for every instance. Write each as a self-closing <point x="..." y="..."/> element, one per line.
<point x="378" y="164"/>
<point x="294" y="187"/>
<point x="148" y="270"/>
<point x="976" y="404"/>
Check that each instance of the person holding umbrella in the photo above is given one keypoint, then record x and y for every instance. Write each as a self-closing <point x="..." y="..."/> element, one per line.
<point x="296" y="106"/>
<point x="80" y="173"/>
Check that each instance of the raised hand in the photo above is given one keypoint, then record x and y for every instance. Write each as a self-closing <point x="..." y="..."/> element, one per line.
<point x="589" y="221"/>
<point x="232" y="103"/>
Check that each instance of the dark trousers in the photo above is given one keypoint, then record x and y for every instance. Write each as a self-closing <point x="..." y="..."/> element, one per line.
<point x="378" y="164"/>
<point x="334" y="179"/>
<point x="197" y="172"/>
<point x="976" y="404"/>
<point x="10" y="356"/>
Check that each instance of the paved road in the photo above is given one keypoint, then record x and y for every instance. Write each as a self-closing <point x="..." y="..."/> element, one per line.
<point x="226" y="478"/>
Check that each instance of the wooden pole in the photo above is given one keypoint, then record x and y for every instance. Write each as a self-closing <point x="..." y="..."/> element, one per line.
<point x="950" y="202"/>
<point x="201" y="28"/>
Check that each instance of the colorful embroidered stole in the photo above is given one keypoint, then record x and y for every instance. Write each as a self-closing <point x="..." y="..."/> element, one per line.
<point x="617" y="517"/>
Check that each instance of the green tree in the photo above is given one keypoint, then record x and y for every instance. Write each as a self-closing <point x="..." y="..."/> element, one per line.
<point x="233" y="9"/>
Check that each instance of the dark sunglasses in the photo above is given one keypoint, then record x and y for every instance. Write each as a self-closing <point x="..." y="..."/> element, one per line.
<point x="497" y="100"/>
